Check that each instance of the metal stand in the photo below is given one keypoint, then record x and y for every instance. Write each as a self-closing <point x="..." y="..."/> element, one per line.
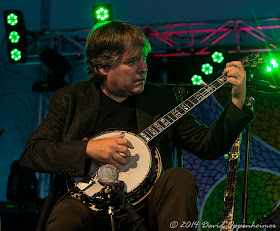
<point x="111" y="208"/>
<point x="114" y="199"/>
<point x="249" y="137"/>
<point x="134" y="217"/>
<point x="109" y="204"/>
<point x="246" y="171"/>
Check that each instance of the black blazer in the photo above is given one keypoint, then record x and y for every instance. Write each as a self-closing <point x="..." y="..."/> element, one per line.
<point x="57" y="146"/>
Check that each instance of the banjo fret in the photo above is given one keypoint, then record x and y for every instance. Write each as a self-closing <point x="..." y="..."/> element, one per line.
<point x="189" y="103"/>
<point x="181" y="109"/>
<point x="159" y="127"/>
<point x="153" y="131"/>
<point x="176" y="113"/>
<point x="185" y="106"/>
<point x="148" y="134"/>
<point x="156" y="129"/>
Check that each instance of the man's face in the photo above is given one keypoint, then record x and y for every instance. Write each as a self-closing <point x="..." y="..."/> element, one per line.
<point x="127" y="77"/>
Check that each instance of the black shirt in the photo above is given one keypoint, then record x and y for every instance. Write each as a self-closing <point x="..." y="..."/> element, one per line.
<point x="116" y="116"/>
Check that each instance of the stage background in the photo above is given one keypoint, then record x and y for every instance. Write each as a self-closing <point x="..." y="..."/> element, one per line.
<point x="21" y="109"/>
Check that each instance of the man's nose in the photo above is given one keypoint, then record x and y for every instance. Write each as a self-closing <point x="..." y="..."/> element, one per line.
<point x="143" y="66"/>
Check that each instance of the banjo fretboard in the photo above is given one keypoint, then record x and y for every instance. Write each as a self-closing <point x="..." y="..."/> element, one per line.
<point x="229" y="195"/>
<point x="180" y="110"/>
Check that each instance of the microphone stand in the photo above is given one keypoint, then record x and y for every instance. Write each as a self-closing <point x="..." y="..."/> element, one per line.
<point x="111" y="209"/>
<point x="246" y="171"/>
<point x="134" y="217"/>
<point x="249" y="137"/>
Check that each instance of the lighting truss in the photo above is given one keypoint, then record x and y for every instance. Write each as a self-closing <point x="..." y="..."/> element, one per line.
<point x="196" y="38"/>
<point x="175" y="39"/>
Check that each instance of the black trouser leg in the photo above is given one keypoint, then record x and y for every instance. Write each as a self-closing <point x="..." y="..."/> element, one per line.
<point x="173" y="199"/>
<point x="72" y="215"/>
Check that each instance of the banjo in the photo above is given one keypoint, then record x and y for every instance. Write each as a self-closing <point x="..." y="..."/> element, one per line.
<point x="143" y="168"/>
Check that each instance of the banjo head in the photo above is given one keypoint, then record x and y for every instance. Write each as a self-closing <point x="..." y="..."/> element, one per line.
<point x="138" y="165"/>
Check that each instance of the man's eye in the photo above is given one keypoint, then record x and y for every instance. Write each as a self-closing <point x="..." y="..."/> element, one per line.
<point x="131" y="61"/>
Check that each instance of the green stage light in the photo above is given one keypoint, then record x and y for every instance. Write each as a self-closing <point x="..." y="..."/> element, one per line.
<point x="196" y="80"/>
<point x="15" y="54"/>
<point x="102" y="13"/>
<point x="217" y="57"/>
<point x="269" y="69"/>
<point x="14" y="37"/>
<point x="274" y="63"/>
<point x="12" y="19"/>
<point x="207" y="69"/>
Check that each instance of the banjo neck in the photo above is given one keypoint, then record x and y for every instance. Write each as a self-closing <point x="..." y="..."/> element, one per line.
<point x="180" y="110"/>
<point x="229" y="195"/>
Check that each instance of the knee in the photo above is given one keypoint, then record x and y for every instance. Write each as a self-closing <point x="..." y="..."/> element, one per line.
<point x="180" y="174"/>
<point x="69" y="214"/>
<point x="181" y="177"/>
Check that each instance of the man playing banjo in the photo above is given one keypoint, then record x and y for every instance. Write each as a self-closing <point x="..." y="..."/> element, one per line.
<point x="114" y="99"/>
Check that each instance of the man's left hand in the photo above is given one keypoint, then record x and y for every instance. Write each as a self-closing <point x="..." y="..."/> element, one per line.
<point x="237" y="77"/>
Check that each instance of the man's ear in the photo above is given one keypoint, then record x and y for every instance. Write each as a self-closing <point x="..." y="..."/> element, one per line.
<point x="103" y="70"/>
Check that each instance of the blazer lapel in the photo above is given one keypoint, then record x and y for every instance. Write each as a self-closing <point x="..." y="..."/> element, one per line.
<point x="144" y="119"/>
<point x="89" y="103"/>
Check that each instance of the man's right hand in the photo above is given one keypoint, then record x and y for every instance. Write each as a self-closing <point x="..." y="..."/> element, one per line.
<point x="111" y="150"/>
